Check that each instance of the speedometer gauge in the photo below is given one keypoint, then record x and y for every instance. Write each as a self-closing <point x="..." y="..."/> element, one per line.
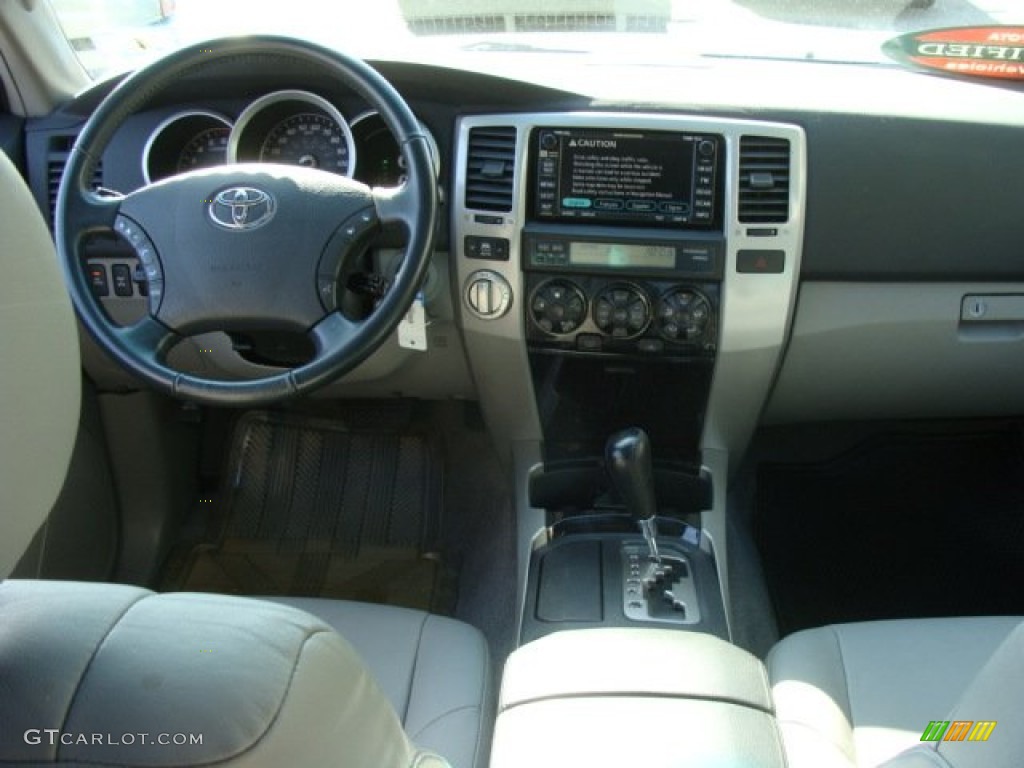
<point x="293" y="128"/>
<point x="308" y="139"/>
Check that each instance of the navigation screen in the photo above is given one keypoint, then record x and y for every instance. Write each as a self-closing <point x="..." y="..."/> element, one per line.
<point x="651" y="178"/>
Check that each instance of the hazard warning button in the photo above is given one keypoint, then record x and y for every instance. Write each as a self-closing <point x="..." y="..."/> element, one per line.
<point x="761" y="262"/>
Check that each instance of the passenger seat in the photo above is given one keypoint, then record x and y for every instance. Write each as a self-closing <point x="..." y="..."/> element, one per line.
<point x="864" y="694"/>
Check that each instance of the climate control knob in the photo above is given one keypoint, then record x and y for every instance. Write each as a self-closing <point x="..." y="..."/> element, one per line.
<point x="622" y="311"/>
<point x="558" y="307"/>
<point x="684" y="316"/>
<point x="488" y="294"/>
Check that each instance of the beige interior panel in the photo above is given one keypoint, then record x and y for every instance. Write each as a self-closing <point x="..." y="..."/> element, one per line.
<point x="899" y="350"/>
<point x="40" y="379"/>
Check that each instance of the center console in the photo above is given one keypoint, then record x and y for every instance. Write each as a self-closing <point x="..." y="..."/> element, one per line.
<point x="626" y="284"/>
<point x="607" y="698"/>
<point x="622" y="257"/>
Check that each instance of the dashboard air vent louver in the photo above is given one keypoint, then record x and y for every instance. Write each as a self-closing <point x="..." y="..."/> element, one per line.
<point x="60" y="148"/>
<point x="490" y="168"/>
<point x="764" y="179"/>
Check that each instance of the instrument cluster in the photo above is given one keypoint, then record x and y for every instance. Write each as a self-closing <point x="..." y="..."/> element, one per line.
<point x="292" y="127"/>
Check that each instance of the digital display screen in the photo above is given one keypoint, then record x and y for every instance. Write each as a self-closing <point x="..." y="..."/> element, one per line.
<point x="650" y="178"/>
<point x="628" y="255"/>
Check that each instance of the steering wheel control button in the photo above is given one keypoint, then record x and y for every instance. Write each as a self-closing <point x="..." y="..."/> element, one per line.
<point x="622" y="311"/>
<point x="155" y="289"/>
<point x="130" y="231"/>
<point x="486" y="248"/>
<point x="149" y="265"/>
<point x="351" y="236"/>
<point x="683" y="316"/>
<point x="759" y="262"/>
<point x="327" y="288"/>
<point x="487" y="294"/>
<point x="558" y="307"/>
<point x="98" y="280"/>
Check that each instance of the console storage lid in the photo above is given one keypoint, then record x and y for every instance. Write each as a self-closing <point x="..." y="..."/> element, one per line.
<point x="634" y="662"/>
<point x="605" y="698"/>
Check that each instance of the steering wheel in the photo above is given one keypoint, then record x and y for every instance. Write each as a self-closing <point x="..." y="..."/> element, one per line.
<point x="250" y="245"/>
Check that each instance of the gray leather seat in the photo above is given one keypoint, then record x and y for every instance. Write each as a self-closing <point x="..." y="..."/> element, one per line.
<point x="265" y="684"/>
<point x="858" y="695"/>
<point x="435" y="672"/>
<point x="103" y="674"/>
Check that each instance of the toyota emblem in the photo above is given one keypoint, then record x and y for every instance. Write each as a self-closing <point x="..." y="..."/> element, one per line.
<point x="239" y="209"/>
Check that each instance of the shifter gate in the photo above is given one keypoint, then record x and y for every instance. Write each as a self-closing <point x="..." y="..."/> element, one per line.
<point x="658" y="592"/>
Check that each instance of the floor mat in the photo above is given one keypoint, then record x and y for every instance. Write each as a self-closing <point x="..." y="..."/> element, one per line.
<point x="324" y="508"/>
<point x="904" y="525"/>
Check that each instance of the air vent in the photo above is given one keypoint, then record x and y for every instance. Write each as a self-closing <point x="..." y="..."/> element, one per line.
<point x="490" y="168"/>
<point x="60" y="149"/>
<point x="764" y="179"/>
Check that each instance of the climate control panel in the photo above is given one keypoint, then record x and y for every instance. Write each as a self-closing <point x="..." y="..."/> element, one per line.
<point x="592" y="314"/>
<point x="622" y="311"/>
<point x="558" y="307"/>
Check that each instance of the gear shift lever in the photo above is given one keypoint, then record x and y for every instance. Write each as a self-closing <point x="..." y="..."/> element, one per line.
<point x="628" y="458"/>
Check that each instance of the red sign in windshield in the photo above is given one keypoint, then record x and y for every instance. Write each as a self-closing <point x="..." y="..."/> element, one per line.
<point x="989" y="52"/>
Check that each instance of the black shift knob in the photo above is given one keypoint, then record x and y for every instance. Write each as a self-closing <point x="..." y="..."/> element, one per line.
<point x="627" y="455"/>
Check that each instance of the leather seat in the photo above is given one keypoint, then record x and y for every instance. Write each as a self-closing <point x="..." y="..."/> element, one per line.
<point x="435" y="672"/>
<point x="104" y="674"/>
<point x="863" y="694"/>
<point x="266" y="684"/>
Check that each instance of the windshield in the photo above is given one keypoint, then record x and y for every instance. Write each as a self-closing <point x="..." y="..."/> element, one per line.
<point x="115" y="35"/>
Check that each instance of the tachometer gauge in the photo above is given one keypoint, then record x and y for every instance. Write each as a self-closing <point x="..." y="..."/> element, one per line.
<point x="308" y="139"/>
<point x="184" y="142"/>
<point x="207" y="149"/>
<point x="293" y="128"/>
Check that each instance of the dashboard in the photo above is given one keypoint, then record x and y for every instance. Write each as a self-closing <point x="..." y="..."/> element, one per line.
<point x="759" y="244"/>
